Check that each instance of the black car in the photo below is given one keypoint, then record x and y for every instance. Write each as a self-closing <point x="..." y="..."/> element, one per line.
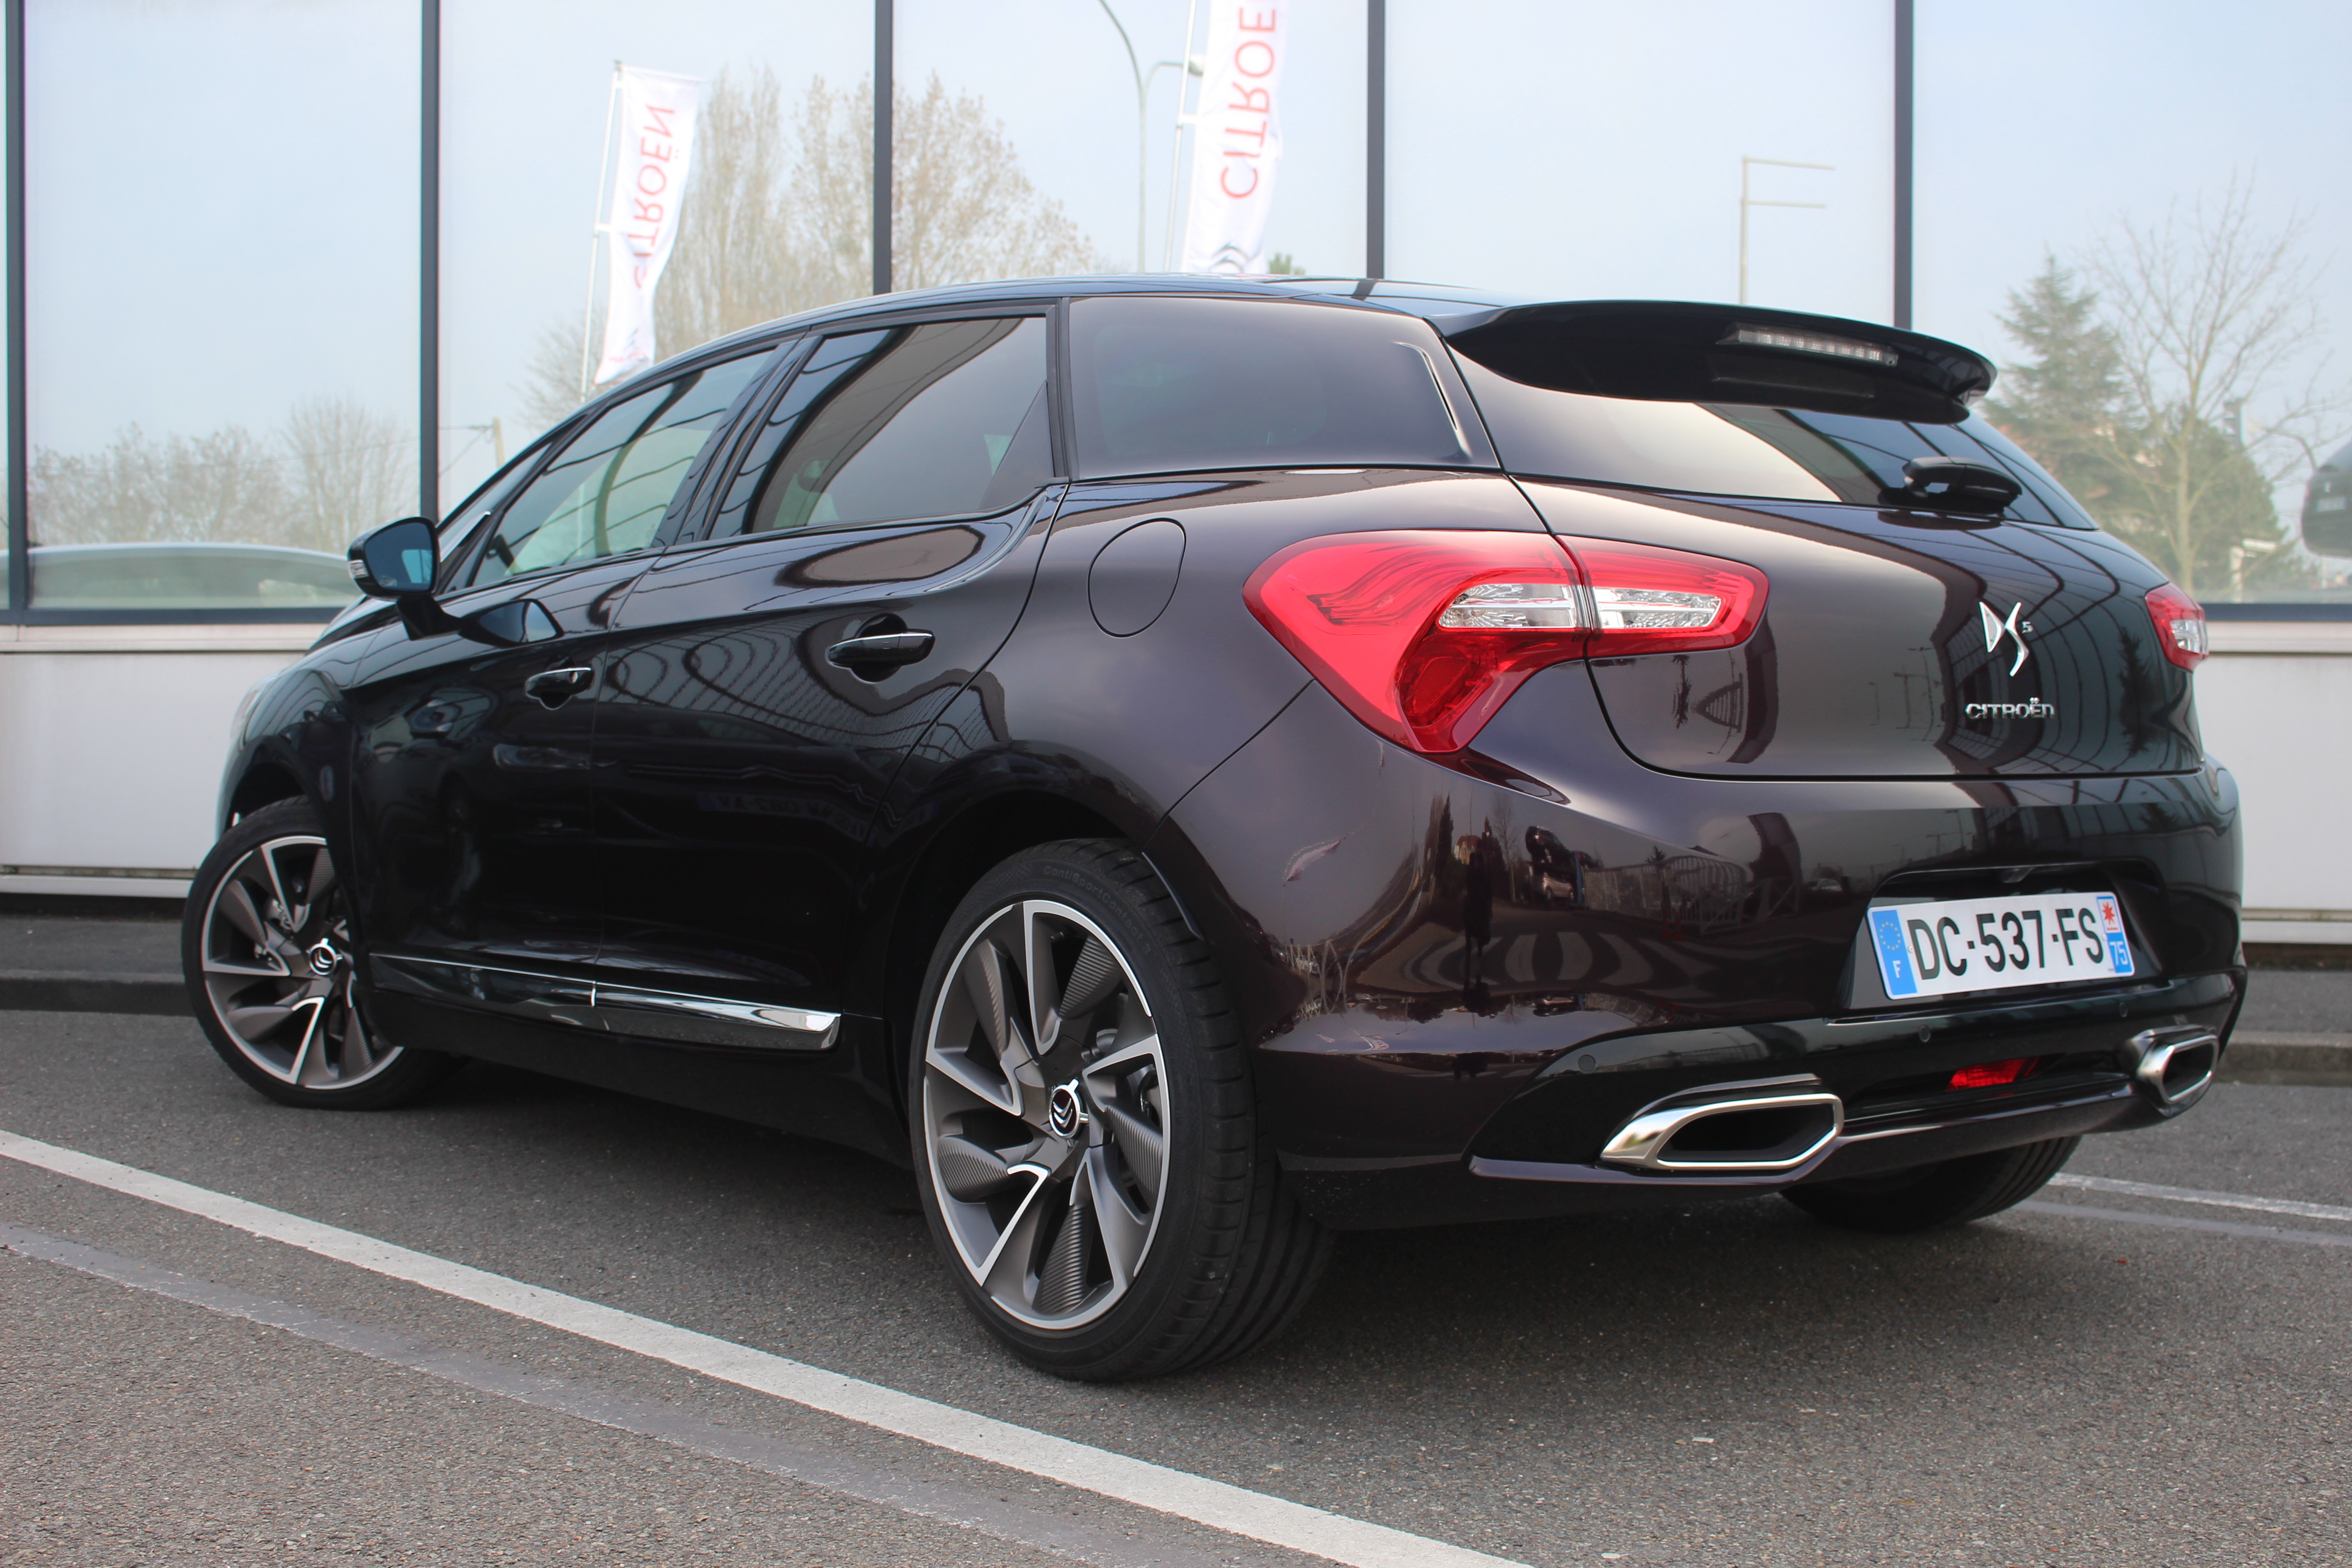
<point x="2327" y="506"/>
<point x="1192" y="766"/>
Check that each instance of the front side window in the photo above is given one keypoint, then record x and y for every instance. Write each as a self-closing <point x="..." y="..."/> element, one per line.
<point x="943" y="419"/>
<point x="1168" y="386"/>
<point x="606" y="492"/>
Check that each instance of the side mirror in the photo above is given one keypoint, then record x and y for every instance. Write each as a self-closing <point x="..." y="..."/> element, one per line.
<point x="396" y="560"/>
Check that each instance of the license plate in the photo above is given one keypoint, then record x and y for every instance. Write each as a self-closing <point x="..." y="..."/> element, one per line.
<point x="2331" y="503"/>
<point x="1994" y="944"/>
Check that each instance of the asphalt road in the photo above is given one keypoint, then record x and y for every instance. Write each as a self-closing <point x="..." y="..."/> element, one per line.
<point x="1734" y="1385"/>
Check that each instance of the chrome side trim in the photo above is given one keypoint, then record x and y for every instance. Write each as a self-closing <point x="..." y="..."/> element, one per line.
<point x="550" y="998"/>
<point x="713" y="1020"/>
<point x="615" y="1009"/>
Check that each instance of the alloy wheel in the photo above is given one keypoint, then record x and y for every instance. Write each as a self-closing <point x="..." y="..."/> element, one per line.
<point x="277" y="968"/>
<point x="1044" y="1114"/>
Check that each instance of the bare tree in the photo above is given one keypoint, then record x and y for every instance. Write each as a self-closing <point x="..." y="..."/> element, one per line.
<point x="739" y="259"/>
<point x="228" y="485"/>
<point x="2213" y="321"/>
<point x="960" y="209"/>
<point x="778" y="216"/>
<point x="335" y="470"/>
<point x="348" y="468"/>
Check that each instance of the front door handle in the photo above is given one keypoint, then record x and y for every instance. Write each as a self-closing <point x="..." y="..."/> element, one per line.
<point x="556" y="686"/>
<point x="877" y="654"/>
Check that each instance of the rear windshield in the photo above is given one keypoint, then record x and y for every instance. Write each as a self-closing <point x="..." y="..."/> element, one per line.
<point x="1741" y="449"/>
<point x="1166" y="386"/>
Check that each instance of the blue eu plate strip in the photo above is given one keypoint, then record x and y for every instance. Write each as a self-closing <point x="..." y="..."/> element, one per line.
<point x="1893" y="958"/>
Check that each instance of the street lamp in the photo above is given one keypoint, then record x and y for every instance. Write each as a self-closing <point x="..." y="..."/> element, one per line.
<point x="1747" y="201"/>
<point x="1143" y="80"/>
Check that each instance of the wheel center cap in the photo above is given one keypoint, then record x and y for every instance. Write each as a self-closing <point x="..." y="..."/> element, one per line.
<point x="323" y="958"/>
<point x="1065" y="1111"/>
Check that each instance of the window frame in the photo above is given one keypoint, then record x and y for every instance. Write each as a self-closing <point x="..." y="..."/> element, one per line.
<point x="682" y="503"/>
<point x="696" y="532"/>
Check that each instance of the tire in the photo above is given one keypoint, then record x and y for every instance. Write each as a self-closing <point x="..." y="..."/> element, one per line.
<point x="267" y="951"/>
<point x="1930" y="1198"/>
<point x="1110" y="1168"/>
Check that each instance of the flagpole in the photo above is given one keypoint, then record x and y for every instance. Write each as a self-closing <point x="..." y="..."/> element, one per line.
<point x="1176" y="143"/>
<point x="596" y="229"/>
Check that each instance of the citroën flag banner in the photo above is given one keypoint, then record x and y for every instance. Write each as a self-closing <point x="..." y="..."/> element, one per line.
<point x="1237" y="137"/>
<point x="657" y="121"/>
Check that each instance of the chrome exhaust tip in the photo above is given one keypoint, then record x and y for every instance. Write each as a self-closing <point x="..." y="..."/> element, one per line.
<point x="2175" y="1067"/>
<point x="1738" y="1133"/>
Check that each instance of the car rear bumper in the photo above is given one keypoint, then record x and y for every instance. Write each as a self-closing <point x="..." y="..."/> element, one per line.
<point x="1543" y="1152"/>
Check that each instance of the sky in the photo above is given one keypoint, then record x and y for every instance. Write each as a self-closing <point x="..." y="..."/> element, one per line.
<point x="223" y="191"/>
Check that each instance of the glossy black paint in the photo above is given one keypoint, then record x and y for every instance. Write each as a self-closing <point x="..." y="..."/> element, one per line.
<point x="1872" y="661"/>
<point x="1458" y="974"/>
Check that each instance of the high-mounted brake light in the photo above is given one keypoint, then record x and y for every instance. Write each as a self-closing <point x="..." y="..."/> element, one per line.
<point x="1811" y="343"/>
<point x="2180" y="626"/>
<point x="1425" y="634"/>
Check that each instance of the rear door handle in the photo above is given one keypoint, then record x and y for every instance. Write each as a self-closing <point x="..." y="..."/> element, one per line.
<point x="881" y="651"/>
<point x="556" y="686"/>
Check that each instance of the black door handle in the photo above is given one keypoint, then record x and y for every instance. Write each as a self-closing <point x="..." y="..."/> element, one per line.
<point x="556" y="686"/>
<point x="874" y="657"/>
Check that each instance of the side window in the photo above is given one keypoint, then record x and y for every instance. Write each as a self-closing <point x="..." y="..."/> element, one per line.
<point x="944" y="420"/>
<point x="606" y="492"/>
<point x="1166" y="385"/>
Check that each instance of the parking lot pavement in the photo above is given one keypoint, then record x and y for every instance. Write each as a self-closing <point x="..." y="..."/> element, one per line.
<point x="1730" y="1385"/>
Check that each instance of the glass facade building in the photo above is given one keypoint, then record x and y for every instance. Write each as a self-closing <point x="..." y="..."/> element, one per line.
<point x="277" y="273"/>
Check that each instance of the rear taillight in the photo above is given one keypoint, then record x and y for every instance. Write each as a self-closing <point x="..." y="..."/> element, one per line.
<point x="2180" y="626"/>
<point x="1424" y="635"/>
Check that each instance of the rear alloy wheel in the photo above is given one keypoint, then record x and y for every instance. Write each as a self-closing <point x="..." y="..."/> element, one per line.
<point x="1085" y="1138"/>
<point x="1930" y="1198"/>
<point x="266" y="946"/>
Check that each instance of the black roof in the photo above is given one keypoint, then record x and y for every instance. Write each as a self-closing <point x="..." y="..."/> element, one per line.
<point x="1956" y="371"/>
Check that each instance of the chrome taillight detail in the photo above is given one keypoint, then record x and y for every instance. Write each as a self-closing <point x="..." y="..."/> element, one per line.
<point x="2180" y="626"/>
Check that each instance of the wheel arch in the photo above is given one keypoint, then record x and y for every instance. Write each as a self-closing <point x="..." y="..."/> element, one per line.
<point x="265" y="780"/>
<point x="964" y="850"/>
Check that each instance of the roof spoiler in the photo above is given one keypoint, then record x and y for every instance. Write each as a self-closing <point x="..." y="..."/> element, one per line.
<point x="1675" y="352"/>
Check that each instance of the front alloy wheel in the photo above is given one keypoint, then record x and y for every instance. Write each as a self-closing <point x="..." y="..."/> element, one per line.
<point x="1044" y="1115"/>
<point x="266" y="950"/>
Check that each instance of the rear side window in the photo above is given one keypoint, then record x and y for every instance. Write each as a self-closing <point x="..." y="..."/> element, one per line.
<point x="944" y="420"/>
<point x="1166" y="386"/>
<point x="1729" y="448"/>
<point x="606" y="492"/>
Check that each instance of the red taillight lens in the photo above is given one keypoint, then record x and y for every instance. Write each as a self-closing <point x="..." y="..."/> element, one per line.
<point x="2180" y="626"/>
<point x="1991" y="1075"/>
<point x="1425" y="634"/>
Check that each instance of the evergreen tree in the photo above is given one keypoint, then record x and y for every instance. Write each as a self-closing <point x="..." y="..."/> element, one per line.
<point x="2064" y="403"/>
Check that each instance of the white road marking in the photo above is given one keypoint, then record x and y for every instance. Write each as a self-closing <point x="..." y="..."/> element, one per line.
<point x="1046" y="1524"/>
<point x="1275" y="1521"/>
<point x="2182" y="1222"/>
<point x="2192" y="1196"/>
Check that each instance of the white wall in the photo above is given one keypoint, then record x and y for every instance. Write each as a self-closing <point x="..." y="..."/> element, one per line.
<point x="2275" y="702"/>
<point x="111" y="741"/>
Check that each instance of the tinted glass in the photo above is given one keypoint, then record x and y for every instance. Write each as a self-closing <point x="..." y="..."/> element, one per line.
<point x="211" y="433"/>
<point x="606" y="492"/>
<point x="1164" y="385"/>
<point x="943" y="419"/>
<point x="1741" y="449"/>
